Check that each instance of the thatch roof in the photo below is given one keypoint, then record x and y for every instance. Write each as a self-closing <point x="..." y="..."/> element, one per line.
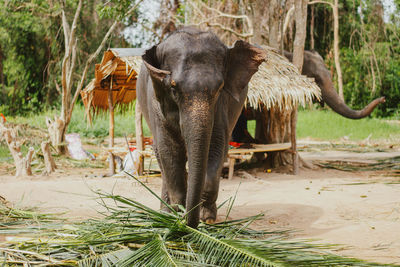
<point x="277" y="83"/>
<point x="117" y="71"/>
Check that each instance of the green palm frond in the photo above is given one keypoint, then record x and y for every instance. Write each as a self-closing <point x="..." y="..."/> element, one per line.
<point x="107" y="259"/>
<point x="154" y="253"/>
<point x="221" y="253"/>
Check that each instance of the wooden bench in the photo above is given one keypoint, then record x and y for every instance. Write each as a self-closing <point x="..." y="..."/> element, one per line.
<point x="237" y="153"/>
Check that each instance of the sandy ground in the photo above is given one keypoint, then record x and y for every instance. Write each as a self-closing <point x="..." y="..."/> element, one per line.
<point x="360" y="210"/>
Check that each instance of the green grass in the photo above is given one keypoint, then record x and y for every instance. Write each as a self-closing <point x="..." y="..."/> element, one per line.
<point x="4" y="153"/>
<point x="327" y="125"/>
<point x="315" y="124"/>
<point x="124" y="122"/>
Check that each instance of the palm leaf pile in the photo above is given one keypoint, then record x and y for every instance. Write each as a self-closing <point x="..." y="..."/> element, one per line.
<point x="132" y="234"/>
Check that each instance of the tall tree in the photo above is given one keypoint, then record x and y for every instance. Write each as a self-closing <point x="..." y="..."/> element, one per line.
<point x="58" y="127"/>
<point x="25" y="30"/>
<point x="335" y="9"/>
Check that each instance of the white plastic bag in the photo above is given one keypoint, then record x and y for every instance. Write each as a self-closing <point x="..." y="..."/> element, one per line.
<point x="75" y="148"/>
<point x="130" y="166"/>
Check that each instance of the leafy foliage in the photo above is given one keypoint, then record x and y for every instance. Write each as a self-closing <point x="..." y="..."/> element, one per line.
<point x="32" y="48"/>
<point x="370" y="52"/>
<point x="26" y="51"/>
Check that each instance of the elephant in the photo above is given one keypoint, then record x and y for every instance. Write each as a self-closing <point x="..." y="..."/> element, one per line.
<point x="191" y="89"/>
<point x="314" y="67"/>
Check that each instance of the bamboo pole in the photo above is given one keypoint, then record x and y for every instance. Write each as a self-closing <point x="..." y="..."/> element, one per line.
<point x="139" y="136"/>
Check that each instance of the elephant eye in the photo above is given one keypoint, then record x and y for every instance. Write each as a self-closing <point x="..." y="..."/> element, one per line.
<point x="174" y="92"/>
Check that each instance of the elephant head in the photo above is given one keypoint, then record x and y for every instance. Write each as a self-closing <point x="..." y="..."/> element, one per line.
<point x="190" y="72"/>
<point x="314" y="67"/>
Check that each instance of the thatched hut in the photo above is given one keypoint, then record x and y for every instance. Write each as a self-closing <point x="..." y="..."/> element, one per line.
<point x="278" y="84"/>
<point x="116" y="72"/>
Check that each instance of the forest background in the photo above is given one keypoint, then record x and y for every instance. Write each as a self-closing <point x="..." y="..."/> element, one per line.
<point x="32" y="45"/>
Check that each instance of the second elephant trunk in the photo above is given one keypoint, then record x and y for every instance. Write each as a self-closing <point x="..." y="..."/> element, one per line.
<point x="331" y="97"/>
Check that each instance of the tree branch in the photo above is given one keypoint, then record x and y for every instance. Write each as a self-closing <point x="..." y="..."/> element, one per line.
<point x="73" y="27"/>
<point x="242" y="35"/>
<point x="321" y="2"/>
<point x="287" y="19"/>
<point x="65" y="25"/>
<point x="71" y="67"/>
<point x="92" y="57"/>
<point x="226" y="15"/>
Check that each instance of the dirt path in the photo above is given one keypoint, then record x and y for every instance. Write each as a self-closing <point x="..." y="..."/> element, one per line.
<point x="359" y="210"/>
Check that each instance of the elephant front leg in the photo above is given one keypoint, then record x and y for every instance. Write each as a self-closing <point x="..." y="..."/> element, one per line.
<point x="171" y="157"/>
<point x="217" y="154"/>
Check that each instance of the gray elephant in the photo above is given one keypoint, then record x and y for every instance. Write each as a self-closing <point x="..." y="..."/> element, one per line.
<point x="192" y="89"/>
<point x="314" y="67"/>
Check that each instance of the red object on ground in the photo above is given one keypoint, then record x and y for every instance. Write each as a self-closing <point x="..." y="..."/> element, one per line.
<point x="4" y="118"/>
<point x="235" y="144"/>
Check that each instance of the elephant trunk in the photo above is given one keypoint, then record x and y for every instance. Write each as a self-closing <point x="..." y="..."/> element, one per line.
<point x="197" y="134"/>
<point x="331" y="97"/>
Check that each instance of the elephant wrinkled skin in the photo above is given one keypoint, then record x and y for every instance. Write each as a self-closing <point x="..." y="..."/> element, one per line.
<point x="192" y="88"/>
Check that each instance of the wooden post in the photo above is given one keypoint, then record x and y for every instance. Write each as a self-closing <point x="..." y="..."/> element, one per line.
<point x="27" y="161"/>
<point x="293" y="123"/>
<point x="139" y="136"/>
<point x="111" y="131"/>
<point x="48" y="159"/>
<point x="231" y="161"/>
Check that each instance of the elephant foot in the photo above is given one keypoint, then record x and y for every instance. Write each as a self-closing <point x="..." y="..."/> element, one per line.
<point x="209" y="213"/>
<point x="210" y="221"/>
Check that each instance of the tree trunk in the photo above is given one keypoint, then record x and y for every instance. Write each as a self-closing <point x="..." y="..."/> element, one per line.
<point x="139" y="137"/>
<point x="336" y="47"/>
<point x="276" y="125"/>
<point x="298" y="59"/>
<point x="22" y="164"/>
<point x="312" y="43"/>
<point x="274" y="18"/>
<point x="57" y="129"/>
<point x="301" y="33"/>
<point x="273" y="126"/>
<point x="48" y="158"/>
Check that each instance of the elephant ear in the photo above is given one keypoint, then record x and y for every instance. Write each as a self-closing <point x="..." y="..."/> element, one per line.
<point x="157" y="75"/>
<point x="153" y="66"/>
<point x="242" y="62"/>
